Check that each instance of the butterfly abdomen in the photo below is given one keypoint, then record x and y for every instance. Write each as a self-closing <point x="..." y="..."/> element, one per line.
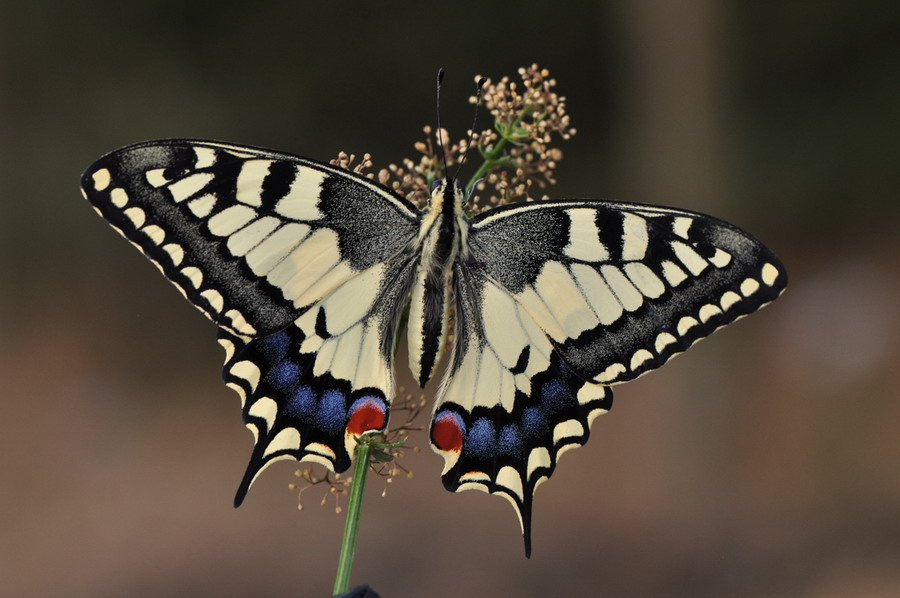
<point x="440" y="241"/>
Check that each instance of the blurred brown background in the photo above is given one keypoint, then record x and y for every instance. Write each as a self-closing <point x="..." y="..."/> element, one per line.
<point x="762" y="463"/>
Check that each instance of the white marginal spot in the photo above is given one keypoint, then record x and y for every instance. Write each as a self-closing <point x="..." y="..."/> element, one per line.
<point x="720" y="258"/>
<point x="639" y="358"/>
<point x="246" y="370"/>
<point x="302" y="200"/>
<point x="584" y="237"/>
<point x="510" y="479"/>
<point x="155" y="233"/>
<point x="264" y="408"/>
<point x="137" y="216"/>
<point x="634" y="237"/>
<point x="175" y="251"/>
<point x="475" y="476"/>
<point x="229" y="352"/>
<point x="102" y="179"/>
<point x="598" y="293"/>
<point x="673" y="274"/>
<point x="311" y="458"/>
<point x="708" y="311"/>
<point x="692" y="260"/>
<point x="627" y="293"/>
<point x="480" y="486"/>
<point x="769" y="274"/>
<point x="194" y="275"/>
<point x="203" y="205"/>
<point x="189" y="186"/>
<point x="268" y="254"/>
<point x="233" y="385"/>
<point x="594" y="414"/>
<point x="729" y="298"/>
<point x="286" y="440"/>
<point x="156" y="177"/>
<point x="644" y="279"/>
<point x="685" y="324"/>
<point x="610" y="373"/>
<point x="206" y="157"/>
<point x="570" y="428"/>
<point x="230" y="220"/>
<point x="663" y="340"/>
<point x="565" y="449"/>
<point x="538" y="458"/>
<point x="321" y="449"/>
<point x="681" y="225"/>
<point x="251" y="235"/>
<point x="240" y="323"/>
<point x="216" y="301"/>
<point x="749" y="286"/>
<point x="250" y="180"/>
<point x="590" y="392"/>
<point x="119" y="197"/>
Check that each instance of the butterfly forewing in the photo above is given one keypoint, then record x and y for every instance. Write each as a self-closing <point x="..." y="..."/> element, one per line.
<point x="557" y="300"/>
<point x="304" y="267"/>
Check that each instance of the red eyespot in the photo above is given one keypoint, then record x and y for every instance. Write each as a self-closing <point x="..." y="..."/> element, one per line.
<point x="367" y="413"/>
<point x="447" y="431"/>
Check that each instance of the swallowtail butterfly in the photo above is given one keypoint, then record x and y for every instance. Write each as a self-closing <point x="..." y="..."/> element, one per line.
<point x="306" y="270"/>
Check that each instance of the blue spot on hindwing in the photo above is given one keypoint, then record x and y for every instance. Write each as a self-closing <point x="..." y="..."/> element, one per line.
<point x="555" y="396"/>
<point x="302" y="403"/>
<point x="285" y="376"/>
<point x="481" y="439"/>
<point x="534" y="423"/>
<point x="510" y="441"/>
<point x="332" y="414"/>
<point x="274" y="347"/>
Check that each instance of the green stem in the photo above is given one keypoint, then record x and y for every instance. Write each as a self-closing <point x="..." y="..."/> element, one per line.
<point x="491" y="158"/>
<point x="354" y="508"/>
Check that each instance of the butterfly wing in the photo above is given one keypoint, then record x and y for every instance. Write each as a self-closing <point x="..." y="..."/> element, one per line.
<point x="557" y="300"/>
<point x="301" y="265"/>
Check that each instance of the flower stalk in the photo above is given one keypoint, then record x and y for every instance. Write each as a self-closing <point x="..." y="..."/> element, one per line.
<point x="354" y="511"/>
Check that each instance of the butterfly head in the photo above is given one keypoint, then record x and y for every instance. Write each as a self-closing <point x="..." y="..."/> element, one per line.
<point x="447" y="194"/>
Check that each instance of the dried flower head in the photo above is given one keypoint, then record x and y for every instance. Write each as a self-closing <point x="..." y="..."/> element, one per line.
<point x="516" y="151"/>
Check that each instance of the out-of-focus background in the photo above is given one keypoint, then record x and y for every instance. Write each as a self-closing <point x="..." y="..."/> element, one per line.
<point x="762" y="463"/>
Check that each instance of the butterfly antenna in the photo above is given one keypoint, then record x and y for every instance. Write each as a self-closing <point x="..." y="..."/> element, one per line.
<point x="478" y="87"/>
<point x="440" y="137"/>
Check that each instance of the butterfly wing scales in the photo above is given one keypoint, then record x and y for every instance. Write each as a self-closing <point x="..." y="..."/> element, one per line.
<point x="558" y="300"/>
<point x="300" y="264"/>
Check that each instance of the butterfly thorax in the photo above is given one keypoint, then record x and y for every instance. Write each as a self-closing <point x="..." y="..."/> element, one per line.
<point x="441" y="239"/>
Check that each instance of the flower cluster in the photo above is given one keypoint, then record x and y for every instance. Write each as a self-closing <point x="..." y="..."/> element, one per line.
<point x="516" y="152"/>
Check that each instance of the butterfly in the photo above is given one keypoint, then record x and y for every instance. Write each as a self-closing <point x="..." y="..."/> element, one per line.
<point x="307" y="270"/>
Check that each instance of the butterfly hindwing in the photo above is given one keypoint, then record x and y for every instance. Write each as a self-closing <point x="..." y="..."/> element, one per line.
<point x="302" y="266"/>
<point x="589" y="294"/>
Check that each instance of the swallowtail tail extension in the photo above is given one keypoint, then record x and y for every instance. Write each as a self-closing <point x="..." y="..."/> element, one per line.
<point x="306" y="270"/>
